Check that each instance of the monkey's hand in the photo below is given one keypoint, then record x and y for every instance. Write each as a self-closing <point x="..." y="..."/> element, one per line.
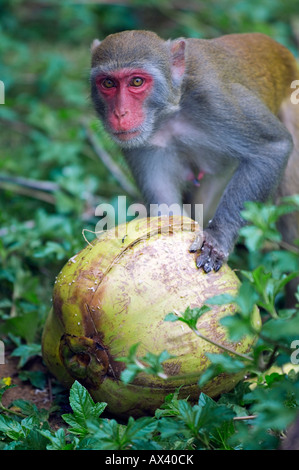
<point x="211" y="255"/>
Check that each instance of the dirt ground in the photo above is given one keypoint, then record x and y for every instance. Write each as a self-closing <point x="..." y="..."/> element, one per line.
<point x="24" y="390"/>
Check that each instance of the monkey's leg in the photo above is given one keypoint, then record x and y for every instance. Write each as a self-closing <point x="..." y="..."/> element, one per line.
<point x="208" y="194"/>
<point x="261" y="147"/>
<point x="289" y="223"/>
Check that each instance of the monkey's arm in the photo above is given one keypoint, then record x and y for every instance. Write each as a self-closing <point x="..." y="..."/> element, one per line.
<point x="262" y="146"/>
<point x="158" y="173"/>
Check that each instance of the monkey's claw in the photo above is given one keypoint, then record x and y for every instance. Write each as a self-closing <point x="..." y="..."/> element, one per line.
<point x="211" y="257"/>
<point x="197" y="244"/>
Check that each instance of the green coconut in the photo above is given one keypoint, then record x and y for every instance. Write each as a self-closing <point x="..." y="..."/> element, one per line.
<point x="115" y="293"/>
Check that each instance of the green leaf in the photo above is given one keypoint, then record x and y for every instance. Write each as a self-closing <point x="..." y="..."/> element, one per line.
<point x="212" y="371"/>
<point x="31" y="410"/>
<point x="294" y="199"/>
<point x="149" y="364"/>
<point x="131" y="357"/>
<point x="227" y="363"/>
<point x="37" y="378"/>
<point x="267" y="286"/>
<point x="24" y="325"/>
<point x="272" y="378"/>
<point x="81" y="402"/>
<point x="196" y="422"/>
<point x="26" y="352"/>
<point x="58" y="440"/>
<point x="271" y="404"/>
<point x="139" y="429"/>
<point x="220" y="299"/>
<point x="220" y="363"/>
<point x="190" y="316"/>
<point x="281" y="283"/>
<point x="171" y="317"/>
<point x="246" y="299"/>
<point x="254" y="237"/>
<point x="154" y="362"/>
<point x="237" y="326"/>
<point x="279" y="329"/>
<point x="129" y="374"/>
<point x="11" y="428"/>
<point x="84" y="409"/>
<point x="170" y="405"/>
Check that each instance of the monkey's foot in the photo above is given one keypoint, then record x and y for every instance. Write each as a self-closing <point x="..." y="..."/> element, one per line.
<point x="211" y="256"/>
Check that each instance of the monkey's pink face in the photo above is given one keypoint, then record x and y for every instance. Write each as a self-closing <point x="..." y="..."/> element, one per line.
<point x="124" y="92"/>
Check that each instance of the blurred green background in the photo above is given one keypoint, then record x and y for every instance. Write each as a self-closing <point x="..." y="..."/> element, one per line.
<point x="52" y="148"/>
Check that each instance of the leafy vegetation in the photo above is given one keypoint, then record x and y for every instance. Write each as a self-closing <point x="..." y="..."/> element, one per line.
<point x="56" y="166"/>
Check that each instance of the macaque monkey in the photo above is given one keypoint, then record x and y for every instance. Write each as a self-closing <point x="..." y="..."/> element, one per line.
<point x="218" y="108"/>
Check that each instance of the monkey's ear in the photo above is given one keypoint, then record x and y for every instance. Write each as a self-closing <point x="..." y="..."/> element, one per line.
<point x="95" y="43"/>
<point x="177" y="51"/>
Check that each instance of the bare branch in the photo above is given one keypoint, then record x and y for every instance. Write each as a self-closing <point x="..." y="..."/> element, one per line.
<point x="47" y="186"/>
<point x="110" y="164"/>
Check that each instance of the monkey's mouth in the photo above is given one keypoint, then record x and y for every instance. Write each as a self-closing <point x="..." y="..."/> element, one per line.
<point x="126" y="135"/>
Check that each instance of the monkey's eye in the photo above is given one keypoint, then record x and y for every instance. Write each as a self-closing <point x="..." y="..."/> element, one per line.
<point x="108" y="83"/>
<point x="136" y="81"/>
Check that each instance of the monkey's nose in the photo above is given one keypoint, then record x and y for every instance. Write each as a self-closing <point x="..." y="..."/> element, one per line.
<point x="120" y="113"/>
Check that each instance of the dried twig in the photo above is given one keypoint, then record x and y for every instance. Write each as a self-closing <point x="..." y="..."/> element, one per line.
<point x="30" y="192"/>
<point x="47" y="186"/>
<point x="110" y="164"/>
<point x="244" y="418"/>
